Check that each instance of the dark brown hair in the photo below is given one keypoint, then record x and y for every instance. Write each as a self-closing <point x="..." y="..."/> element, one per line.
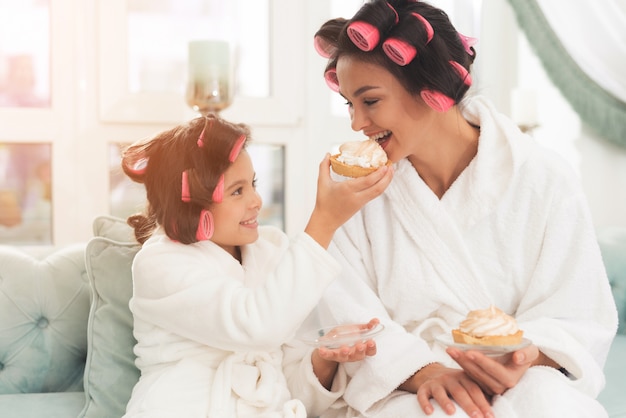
<point x="430" y="69"/>
<point x="159" y="163"/>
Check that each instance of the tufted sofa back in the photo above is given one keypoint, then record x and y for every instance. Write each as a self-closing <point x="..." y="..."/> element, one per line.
<point x="44" y="306"/>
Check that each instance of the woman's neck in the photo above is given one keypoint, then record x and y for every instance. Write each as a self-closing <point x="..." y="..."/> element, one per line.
<point x="447" y="152"/>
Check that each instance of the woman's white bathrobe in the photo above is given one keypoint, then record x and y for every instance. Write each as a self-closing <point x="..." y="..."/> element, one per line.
<point x="513" y="230"/>
<point x="209" y="330"/>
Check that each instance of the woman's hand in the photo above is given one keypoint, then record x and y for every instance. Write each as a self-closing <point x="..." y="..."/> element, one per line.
<point x="495" y="375"/>
<point x="326" y="360"/>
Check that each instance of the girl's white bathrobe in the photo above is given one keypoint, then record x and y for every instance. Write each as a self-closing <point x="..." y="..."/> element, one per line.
<point x="514" y="231"/>
<point x="209" y="329"/>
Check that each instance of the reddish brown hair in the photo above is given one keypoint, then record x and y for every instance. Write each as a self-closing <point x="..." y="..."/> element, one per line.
<point x="159" y="162"/>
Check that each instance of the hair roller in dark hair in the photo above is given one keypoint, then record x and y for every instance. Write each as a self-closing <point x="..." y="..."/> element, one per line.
<point x="468" y="42"/>
<point x="370" y="22"/>
<point x="402" y="48"/>
<point x="462" y="72"/>
<point x="437" y="100"/>
<point x="330" y="76"/>
<point x="323" y="47"/>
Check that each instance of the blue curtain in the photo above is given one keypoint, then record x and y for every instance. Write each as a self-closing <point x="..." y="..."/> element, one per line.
<point x="598" y="109"/>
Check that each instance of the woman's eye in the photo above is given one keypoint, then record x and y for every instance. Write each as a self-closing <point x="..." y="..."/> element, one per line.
<point x="370" y="102"/>
<point x="348" y="103"/>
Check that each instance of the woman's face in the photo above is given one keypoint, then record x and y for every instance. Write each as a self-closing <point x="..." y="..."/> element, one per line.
<point x="381" y="107"/>
<point x="235" y="217"/>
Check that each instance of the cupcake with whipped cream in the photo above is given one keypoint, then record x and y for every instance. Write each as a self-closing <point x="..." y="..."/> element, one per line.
<point x="358" y="158"/>
<point x="490" y="327"/>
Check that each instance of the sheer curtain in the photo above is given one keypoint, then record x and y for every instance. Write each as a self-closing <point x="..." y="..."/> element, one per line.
<point x="582" y="46"/>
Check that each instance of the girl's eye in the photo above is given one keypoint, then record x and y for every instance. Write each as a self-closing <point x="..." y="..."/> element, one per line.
<point x="254" y="182"/>
<point x="238" y="191"/>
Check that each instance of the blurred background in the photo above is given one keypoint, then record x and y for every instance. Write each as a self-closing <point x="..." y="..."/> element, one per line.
<point x="80" y="79"/>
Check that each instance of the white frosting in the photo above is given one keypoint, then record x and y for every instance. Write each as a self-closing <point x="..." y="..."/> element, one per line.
<point x="362" y="153"/>
<point x="488" y="322"/>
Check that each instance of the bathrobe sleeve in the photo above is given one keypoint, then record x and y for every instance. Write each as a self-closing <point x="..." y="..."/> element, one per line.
<point x="203" y="294"/>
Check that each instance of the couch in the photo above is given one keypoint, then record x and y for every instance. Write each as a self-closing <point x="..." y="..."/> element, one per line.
<point x="66" y="342"/>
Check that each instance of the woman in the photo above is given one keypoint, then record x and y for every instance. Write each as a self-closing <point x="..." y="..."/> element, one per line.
<point x="477" y="215"/>
<point x="214" y="294"/>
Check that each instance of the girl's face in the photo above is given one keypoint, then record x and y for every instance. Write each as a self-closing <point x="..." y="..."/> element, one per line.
<point x="381" y="107"/>
<point x="235" y="217"/>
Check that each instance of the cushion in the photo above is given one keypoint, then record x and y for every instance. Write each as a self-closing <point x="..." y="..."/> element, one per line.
<point x="113" y="228"/>
<point x="613" y="247"/>
<point x="38" y="405"/>
<point x="43" y="332"/>
<point x="612" y="397"/>
<point x="110" y="372"/>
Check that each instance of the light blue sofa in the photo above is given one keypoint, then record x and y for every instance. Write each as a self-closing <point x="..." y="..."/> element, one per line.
<point x="66" y="332"/>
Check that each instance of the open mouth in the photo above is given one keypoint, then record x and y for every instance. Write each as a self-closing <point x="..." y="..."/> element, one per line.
<point x="248" y="222"/>
<point x="381" y="137"/>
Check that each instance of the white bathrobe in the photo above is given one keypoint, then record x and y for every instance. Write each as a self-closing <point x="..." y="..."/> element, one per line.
<point x="209" y="330"/>
<point x="513" y="230"/>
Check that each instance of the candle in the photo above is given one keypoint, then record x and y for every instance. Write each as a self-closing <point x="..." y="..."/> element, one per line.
<point x="208" y="59"/>
<point x="209" y="87"/>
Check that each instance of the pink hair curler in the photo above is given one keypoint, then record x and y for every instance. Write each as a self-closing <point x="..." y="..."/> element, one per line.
<point x="394" y="12"/>
<point x="463" y="73"/>
<point x="185" y="196"/>
<point x="468" y="42"/>
<point x="206" y="226"/>
<point x="330" y="76"/>
<point x="437" y="100"/>
<point x="324" y="48"/>
<point x="430" y="32"/>
<point x="234" y="153"/>
<point x="218" y="193"/>
<point x="399" y="51"/>
<point x="363" y="35"/>
<point x="139" y="167"/>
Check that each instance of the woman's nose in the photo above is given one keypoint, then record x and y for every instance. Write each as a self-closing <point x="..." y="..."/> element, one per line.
<point x="357" y="120"/>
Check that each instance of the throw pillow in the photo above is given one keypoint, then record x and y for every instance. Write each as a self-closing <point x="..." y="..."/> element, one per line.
<point x="43" y="305"/>
<point x="113" y="228"/>
<point x="110" y="371"/>
<point x="613" y="246"/>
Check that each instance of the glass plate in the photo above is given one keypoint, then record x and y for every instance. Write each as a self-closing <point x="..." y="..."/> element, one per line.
<point x="488" y="350"/>
<point x="338" y="335"/>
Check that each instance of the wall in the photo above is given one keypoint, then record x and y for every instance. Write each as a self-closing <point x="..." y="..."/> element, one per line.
<point x="506" y="62"/>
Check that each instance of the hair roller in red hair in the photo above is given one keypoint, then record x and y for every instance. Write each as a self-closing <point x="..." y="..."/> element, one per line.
<point x="185" y="196"/>
<point x="206" y="226"/>
<point x="218" y="193"/>
<point x="234" y="153"/>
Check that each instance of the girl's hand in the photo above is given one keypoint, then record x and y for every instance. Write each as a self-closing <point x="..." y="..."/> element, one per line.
<point x="326" y="360"/>
<point x="337" y="201"/>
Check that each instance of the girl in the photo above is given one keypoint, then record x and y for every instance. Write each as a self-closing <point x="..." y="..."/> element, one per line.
<point x="214" y="294"/>
<point x="477" y="214"/>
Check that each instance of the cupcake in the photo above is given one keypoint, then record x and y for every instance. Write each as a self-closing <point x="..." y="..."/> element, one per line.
<point x="358" y="158"/>
<point x="491" y="327"/>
